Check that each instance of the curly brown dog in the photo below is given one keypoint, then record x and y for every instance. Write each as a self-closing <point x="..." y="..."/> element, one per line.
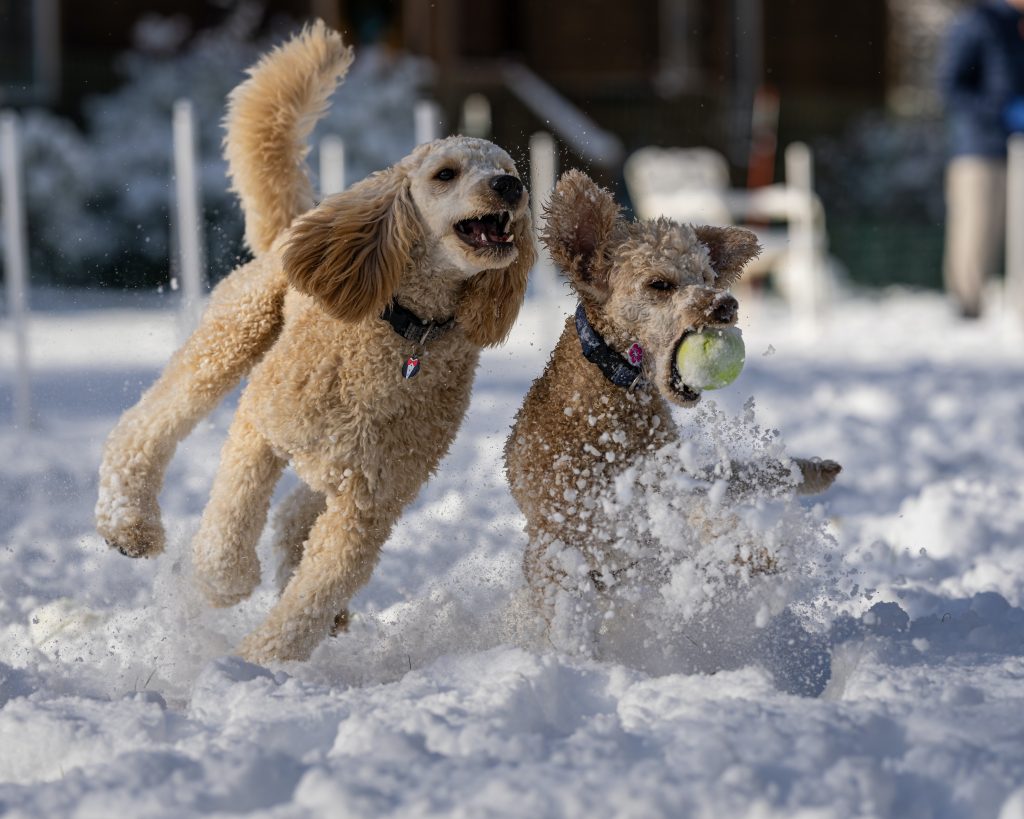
<point x="366" y="316"/>
<point x="602" y="402"/>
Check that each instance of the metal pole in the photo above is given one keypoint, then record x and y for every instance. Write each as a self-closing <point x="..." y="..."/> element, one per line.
<point x="16" y="262"/>
<point x="1014" y="284"/>
<point x="427" y="117"/>
<point x="332" y="165"/>
<point x="189" y="223"/>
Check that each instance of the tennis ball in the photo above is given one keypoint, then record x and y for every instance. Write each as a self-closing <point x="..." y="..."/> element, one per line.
<point x="710" y="359"/>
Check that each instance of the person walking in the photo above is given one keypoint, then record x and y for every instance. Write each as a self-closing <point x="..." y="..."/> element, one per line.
<point x="982" y="84"/>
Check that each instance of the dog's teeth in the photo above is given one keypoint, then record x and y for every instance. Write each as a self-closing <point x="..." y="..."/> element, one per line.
<point x="511" y="238"/>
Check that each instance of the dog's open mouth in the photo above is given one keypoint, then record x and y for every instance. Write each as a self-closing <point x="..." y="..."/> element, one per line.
<point x="488" y="231"/>
<point x="684" y="391"/>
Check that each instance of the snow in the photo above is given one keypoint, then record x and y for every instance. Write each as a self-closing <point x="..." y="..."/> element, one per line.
<point x="894" y="688"/>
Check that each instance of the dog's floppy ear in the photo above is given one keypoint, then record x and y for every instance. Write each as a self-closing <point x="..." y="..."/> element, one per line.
<point x="491" y="300"/>
<point x="579" y="221"/>
<point x="730" y="248"/>
<point x="351" y="250"/>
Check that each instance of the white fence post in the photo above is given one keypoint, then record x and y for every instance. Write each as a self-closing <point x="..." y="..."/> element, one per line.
<point x="476" y="116"/>
<point x="427" y="119"/>
<point x="189" y="222"/>
<point x="16" y="262"/>
<point x="332" y="165"/>
<point x="543" y="172"/>
<point x="1014" y="282"/>
<point x="806" y="280"/>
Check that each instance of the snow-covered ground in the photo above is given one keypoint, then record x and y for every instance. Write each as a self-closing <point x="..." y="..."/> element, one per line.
<point x="119" y="697"/>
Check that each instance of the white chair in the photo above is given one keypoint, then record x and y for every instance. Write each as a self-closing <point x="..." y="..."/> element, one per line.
<point x="691" y="185"/>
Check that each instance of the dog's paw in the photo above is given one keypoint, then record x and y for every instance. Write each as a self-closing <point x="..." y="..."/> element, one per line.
<point x="341" y="621"/>
<point x="264" y="647"/>
<point x="224" y="596"/>
<point x="224" y="585"/>
<point x="818" y="474"/>
<point x="139" y="540"/>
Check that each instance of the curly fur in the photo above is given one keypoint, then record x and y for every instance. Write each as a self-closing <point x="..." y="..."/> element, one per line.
<point x="270" y="117"/>
<point x="327" y="394"/>
<point x="576" y="433"/>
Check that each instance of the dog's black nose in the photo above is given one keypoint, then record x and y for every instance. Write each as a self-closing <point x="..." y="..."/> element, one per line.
<point x="508" y="188"/>
<point x="725" y="309"/>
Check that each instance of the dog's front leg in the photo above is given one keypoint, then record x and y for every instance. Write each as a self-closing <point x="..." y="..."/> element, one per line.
<point x="566" y="595"/>
<point x="338" y="559"/>
<point x="802" y="475"/>
<point x="818" y="474"/>
<point x="224" y="550"/>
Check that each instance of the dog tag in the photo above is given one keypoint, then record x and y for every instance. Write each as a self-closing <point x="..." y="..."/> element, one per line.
<point x="636" y="354"/>
<point x="410" y="367"/>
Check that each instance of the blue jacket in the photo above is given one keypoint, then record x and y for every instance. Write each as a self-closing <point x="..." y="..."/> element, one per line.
<point x="981" y="71"/>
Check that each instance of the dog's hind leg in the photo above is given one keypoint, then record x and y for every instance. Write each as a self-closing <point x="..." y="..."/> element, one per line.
<point x="224" y="550"/>
<point x="339" y="557"/>
<point x="292" y="522"/>
<point x="242" y="321"/>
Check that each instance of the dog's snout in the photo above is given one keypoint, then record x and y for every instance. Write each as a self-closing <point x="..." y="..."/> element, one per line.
<point x="725" y="309"/>
<point x="508" y="188"/>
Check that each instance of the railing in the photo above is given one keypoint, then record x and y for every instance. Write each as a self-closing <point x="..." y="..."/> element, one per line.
<point x="578" y="130"/>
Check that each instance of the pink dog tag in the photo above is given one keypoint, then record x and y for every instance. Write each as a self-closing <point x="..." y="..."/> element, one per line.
<point x="636" y="354"/>
<point x="411" y="367"/>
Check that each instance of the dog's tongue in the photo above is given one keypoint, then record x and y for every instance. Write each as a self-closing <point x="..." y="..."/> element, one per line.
<point x="493" y="232"/>
<point x="478" y="232"/>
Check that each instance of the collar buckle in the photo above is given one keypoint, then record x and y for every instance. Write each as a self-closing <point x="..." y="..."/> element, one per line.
<point x="411" y="327"/>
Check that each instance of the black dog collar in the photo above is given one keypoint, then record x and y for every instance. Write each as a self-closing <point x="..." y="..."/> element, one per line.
<point x="411" y="327"/>
<point x="622" y="372"/>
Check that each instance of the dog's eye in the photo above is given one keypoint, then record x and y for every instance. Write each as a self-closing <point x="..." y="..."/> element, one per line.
<point x="445" y="174"/>
<point x="661" y="285"/>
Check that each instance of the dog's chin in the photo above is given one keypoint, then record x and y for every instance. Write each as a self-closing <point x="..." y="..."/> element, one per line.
<point x="673" y="387"/>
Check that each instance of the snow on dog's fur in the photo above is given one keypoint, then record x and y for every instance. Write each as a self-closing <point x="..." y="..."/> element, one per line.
<point x="444" y="233"/>
<point x="585" y="454"/>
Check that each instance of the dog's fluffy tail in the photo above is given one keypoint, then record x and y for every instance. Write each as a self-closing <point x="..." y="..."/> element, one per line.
<point x="269" y="118"/>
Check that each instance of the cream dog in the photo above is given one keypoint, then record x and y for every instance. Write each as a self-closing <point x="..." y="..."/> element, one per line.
<point x="369" y="312"/>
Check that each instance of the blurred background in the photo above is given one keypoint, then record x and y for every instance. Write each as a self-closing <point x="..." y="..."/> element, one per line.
<point x="95" y="85"/>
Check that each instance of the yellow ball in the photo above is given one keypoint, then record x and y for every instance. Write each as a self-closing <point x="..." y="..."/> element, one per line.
<point x="710" y="359"/>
